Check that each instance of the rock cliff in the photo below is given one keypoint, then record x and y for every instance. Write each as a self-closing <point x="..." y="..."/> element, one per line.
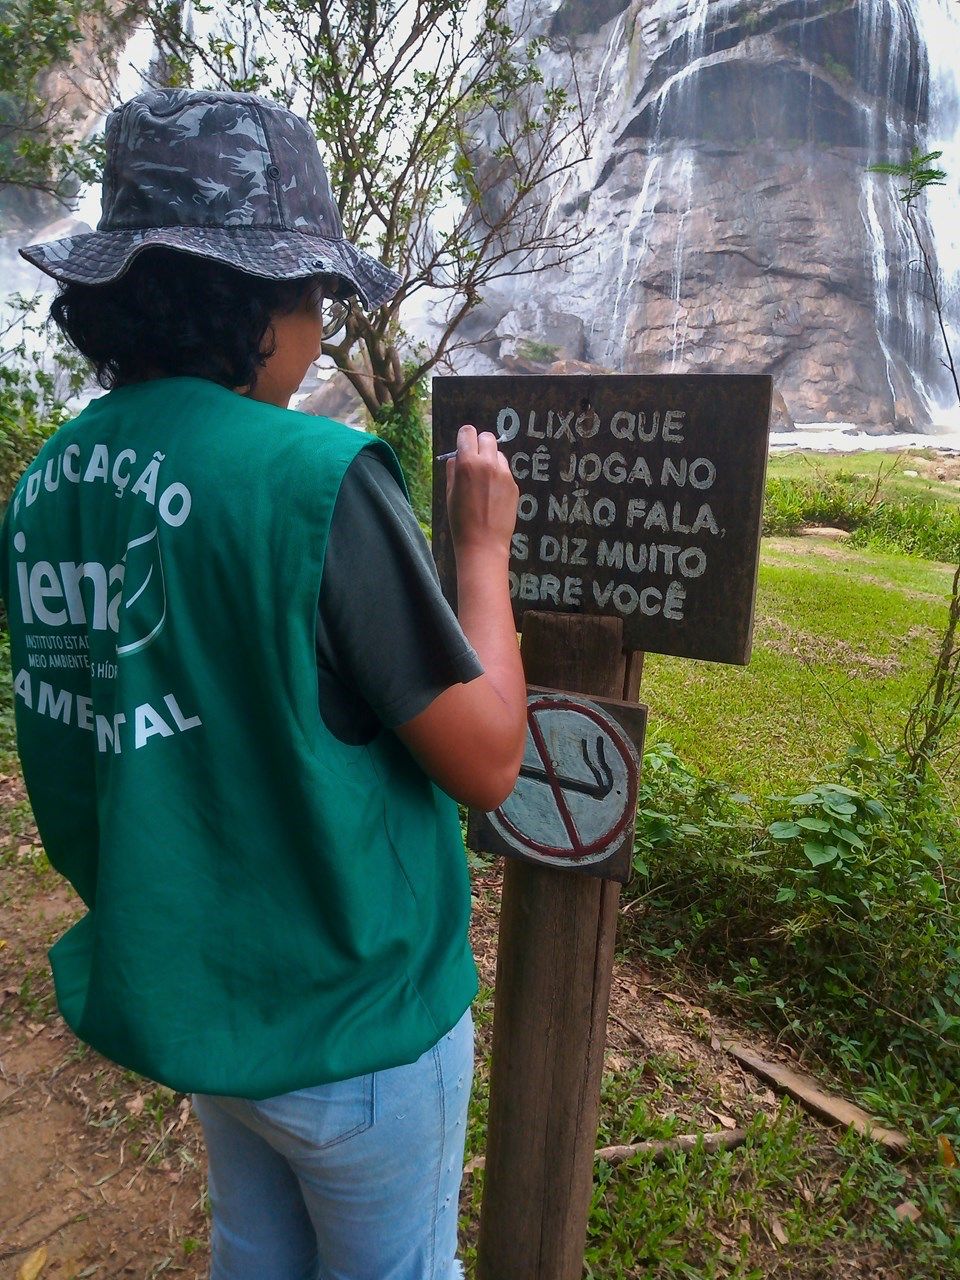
<point x="734" y="225"/>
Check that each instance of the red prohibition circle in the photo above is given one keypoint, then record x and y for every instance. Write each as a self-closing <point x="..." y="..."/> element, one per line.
<point x="621" y="741"/>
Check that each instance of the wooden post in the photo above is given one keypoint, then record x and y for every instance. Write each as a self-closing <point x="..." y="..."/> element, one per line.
<point x="554" y="967"/>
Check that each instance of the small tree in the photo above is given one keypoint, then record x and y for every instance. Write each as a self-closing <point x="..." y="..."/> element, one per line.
<point x="921" y="172"/>
<point x="441" y="137"/>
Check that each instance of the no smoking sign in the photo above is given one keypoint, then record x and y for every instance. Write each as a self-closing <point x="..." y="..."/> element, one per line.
<point x="575" y="802"/>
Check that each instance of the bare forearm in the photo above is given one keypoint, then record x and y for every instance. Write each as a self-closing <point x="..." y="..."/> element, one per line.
<point x="486" y="616"/>
<point x="470" y="739"/>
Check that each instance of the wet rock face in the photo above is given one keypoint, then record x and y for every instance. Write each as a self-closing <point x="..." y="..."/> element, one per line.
<point x="533" y="335"/>
<point x="771" y="280"/>
<point x="734" y="225"/>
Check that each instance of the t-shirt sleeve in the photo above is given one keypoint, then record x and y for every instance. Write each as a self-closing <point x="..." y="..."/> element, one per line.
<point x="387" y="641"/>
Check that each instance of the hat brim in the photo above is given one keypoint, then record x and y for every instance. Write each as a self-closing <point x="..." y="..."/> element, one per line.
<point x="98" y="257"/>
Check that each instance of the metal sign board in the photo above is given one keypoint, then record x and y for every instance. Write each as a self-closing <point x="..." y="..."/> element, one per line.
<point x="641" y="498"/>
<point x="575" y="802"/>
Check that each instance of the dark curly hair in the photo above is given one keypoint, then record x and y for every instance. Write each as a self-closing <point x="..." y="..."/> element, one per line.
<point x="175" y="315"/>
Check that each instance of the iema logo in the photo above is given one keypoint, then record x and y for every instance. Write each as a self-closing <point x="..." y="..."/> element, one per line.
<point x="144" y="605"/>
<point x="128" y="598"/>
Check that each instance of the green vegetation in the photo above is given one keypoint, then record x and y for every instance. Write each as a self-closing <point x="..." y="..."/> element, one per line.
<point x="771" y="1208"/>
<point x="792" y="862"/>
<point x="533" y="349"/>
<point x="837" y="69"/>
<point x="403" y="425"/>
<point x="792" y="1200"/>
<point x="832" y="913"/>
<point x="843" y="642"/>
<point x="32" y="392"/>
<point x="868" y="496"/>
<point x="39" y="148"/>
<point x="8" y="739"/>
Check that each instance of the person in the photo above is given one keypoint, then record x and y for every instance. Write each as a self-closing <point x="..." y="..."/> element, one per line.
<point x="245" y="712"/>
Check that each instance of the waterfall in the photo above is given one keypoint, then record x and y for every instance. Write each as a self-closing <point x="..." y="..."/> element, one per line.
<point x="666" y="170"/>
<point x="635" y="240"/>
<point x="939" y="24"/>
<point x="862" y="83"/>
<point x="890" y="113"/>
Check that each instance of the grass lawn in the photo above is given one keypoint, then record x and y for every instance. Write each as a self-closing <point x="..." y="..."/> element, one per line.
<point x="869" y="466"/>
<point x="843" y="642"/>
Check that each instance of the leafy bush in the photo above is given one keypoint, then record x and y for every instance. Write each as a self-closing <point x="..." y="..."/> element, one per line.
<point x="915" y="527"/>
<point x="833" y="912"/>
<point x="22" y="430"/>
<point x="404" y="427"/>
<point x="535" y="349"/>
<point x="32" y="395"/>
<point x="834" y="500"/>
<point x="911" y="525"/>
<point x="8" y="733"/>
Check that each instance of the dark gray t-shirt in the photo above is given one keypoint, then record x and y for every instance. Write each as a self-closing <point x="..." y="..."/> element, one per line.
<point x="387" y="641"/>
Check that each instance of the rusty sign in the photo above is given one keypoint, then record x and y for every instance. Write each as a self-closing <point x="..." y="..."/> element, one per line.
<point x="575" y="803"/>
<point x="641" y="498"/>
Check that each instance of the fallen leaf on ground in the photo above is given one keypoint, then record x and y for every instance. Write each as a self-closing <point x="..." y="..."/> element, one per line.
<point x="948" y="1156"/>
<point x="907" y="1210"/>
<point x="777" y="1231"/>
<point x="184" y="1113"/>
<point x="728" y="1122"/>
<point x="31" y="1267"/>
<point x="134" y="1105"/>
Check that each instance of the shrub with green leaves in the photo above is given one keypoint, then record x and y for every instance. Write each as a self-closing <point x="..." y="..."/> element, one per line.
<point x="22" y="431"/>
<point x="831" y="500"/>
<point x="912" y="525"/>
<point x="915" y="527"/>
<point x="32" y="394"/>
<point x="404" y="427"/>
<point x="834" y="911"/>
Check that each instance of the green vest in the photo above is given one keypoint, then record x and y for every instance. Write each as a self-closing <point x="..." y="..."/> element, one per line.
<point x="267" y="908"/>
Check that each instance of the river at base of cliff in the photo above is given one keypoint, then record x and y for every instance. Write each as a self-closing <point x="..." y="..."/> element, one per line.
<point x="851" y="437"/>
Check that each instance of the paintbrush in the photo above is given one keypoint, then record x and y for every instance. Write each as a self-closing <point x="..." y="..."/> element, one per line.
<point x="445" y="457"/>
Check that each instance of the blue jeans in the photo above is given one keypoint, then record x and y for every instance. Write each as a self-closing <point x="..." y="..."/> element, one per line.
<point x="356" y="1180"/>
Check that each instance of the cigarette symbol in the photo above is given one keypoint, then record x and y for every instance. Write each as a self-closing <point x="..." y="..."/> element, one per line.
<point x="601" y="771"/>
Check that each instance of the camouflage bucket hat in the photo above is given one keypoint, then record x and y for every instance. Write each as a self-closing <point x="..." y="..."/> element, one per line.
<point x="227" y="176"/>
